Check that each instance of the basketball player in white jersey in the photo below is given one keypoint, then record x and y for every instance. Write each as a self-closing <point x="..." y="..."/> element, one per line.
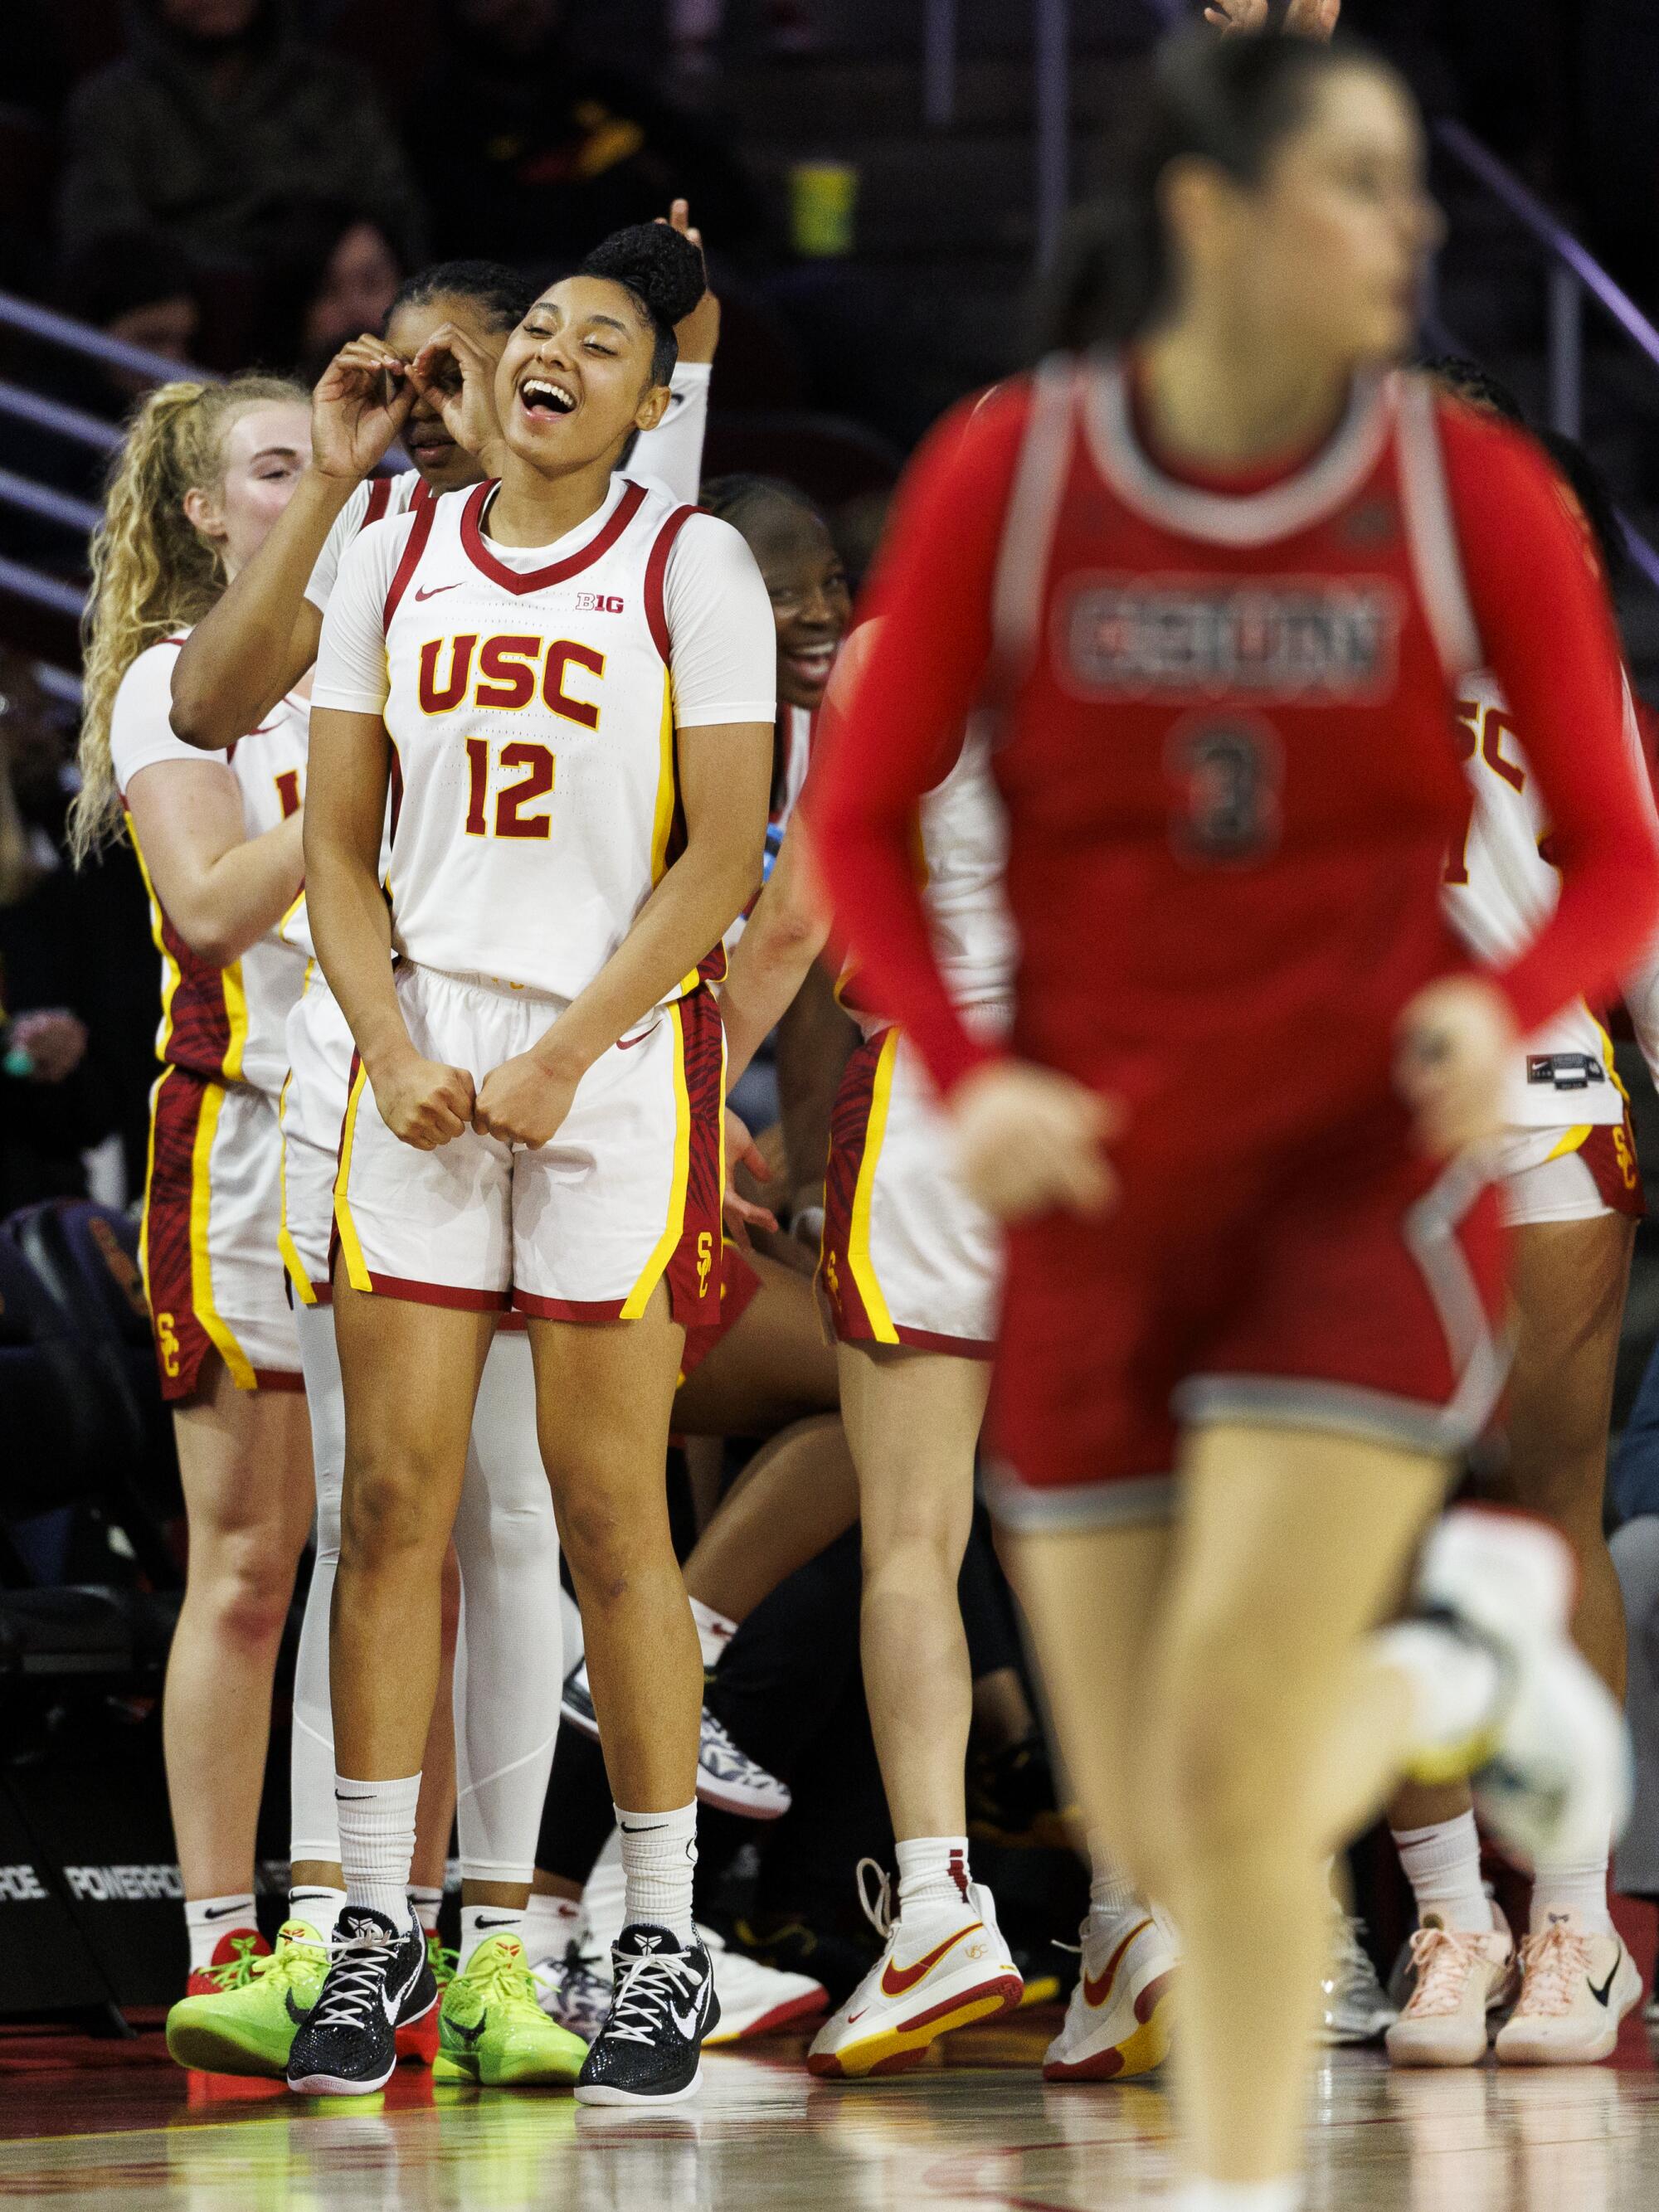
<point x="908" y="1274"/>
<point x="566" y="684"/>
<point x="1573" y="1195"/>
<point x="507" y="1682"/>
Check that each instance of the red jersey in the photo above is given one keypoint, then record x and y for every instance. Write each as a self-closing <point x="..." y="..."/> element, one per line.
<point x="1227" y="752"/>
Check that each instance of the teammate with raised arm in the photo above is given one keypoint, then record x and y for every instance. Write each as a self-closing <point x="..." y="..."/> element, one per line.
<point x="1223" y="584"/>
<point x="565" y="682"/>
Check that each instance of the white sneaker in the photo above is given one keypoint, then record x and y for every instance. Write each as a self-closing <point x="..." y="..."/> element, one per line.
<point x="1550" y="1769"/>
<point x="1117" y="2023"/>
<point x="757" y="1999"/>
<point x="1577" y="1986"/>
<point x="574" y="1988"/>
<point x="942" y="1968"/>
<point x="1356" y="2005"/>
<point x="1459" y="1978"/>
<point x="727" y="1778"/>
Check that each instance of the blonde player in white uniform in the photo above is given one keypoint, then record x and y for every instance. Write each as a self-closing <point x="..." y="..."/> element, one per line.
<point x="566" y="684"/>
<point x="1573" y="1195"/>
<point x="910" y="1271"/>
<point x="204" y="471"/>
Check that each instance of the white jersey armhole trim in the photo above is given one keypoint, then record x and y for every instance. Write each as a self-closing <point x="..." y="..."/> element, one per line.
<point x="1432" y="531"/>
<point x="1030" y="521"/>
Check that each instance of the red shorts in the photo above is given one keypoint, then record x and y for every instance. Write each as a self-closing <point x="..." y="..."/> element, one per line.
<point x="1349" y="1286"/>
<point x="738" y="1284"/>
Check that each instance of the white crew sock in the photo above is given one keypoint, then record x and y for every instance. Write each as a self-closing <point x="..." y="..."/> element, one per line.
<point x="659" y="1856"/>
<point x="317" y="1907"/>
<point x="714" y="1632"/>
<point x="933" y="1873"/>
<point x="209" y="1920"/>
<point x="551" y="1925"/>
<point x="1284" y="2196"/>
<point x="426" y="1905"/>
<point x="1577" y="1885"/>
<point x="377" y="1843"/>
<point x="1111" y="1893"/>
<point x="1443" y="1865"/>
<point x="1455" y="1683"/>
<point x="480" y="1922"/>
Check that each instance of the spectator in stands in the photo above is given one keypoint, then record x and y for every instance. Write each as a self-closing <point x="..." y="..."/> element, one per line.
<point x="530" y="152"/>
<point x="339" y="279"/>
<point x="217" y="121"/>
<point x="139" y="287"/>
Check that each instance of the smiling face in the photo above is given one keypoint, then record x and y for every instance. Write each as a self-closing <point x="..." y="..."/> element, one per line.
<point x="443" y="464"/>
<point x="264" y="452"/>
<point x="574" y="380"/>
<point x="811" y="599"/>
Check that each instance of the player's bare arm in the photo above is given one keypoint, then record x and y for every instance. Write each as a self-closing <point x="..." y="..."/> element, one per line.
<point x="785" y="935"/>
<point x="221" y="888"/>
<point x="725" y="773"/>
<point x="420" y="1101"/>
<point x="698" y="335"/>
<point x="257" y="643"/>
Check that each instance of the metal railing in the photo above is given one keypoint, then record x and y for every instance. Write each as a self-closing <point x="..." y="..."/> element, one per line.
<point x="1573" y="279"/>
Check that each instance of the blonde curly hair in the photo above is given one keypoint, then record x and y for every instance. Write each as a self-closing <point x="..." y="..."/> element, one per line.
<point x="153" y="571"/>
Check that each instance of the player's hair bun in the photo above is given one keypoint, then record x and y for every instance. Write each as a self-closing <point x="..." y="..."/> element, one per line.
<point x="661" y="268"/>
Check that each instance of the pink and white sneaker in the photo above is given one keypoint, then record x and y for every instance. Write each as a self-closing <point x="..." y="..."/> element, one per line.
<point x="1459" y="1978"/>
<point x="1577" y="1986"/>
<point x="941" y="1967"/>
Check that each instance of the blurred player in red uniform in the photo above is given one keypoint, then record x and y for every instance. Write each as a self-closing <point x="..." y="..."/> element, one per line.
<point x="1222" y="587"/>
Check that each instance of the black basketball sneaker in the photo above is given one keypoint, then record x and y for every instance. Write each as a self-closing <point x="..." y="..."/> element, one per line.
<point x="379" y="1979"/>
<point x="650" y="2049"/>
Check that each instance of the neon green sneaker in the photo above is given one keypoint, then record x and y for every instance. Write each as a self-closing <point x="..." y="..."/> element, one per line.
<point x="492" y="2031"/>
<point x="246" y="2027"/>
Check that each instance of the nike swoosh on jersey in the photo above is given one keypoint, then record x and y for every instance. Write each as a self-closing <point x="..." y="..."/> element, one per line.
<point x="896" y="1980"/>
<point x="431" y="591"/>
<point x="1097" y="1989"/>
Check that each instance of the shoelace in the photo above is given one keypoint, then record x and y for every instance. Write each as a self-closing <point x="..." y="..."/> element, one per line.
<point x="443" y="1962"/>
<point x="239" y="1970"/>
<point x="507" y="1983"/>
<point x="289" y="1961"/>
<point x="1551" y="1965"/>
<point x="645" y="1987"/>
<point x="352" y="1991"/>
<point x="879" y="1909"/>
<point x="1442" y="1959"/>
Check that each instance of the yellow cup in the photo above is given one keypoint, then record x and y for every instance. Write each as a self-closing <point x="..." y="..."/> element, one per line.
<point x="822" y="198"/>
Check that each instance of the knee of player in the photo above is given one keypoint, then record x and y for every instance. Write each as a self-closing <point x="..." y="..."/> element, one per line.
<point x="1227" y="1775"/>
<point x="248" y="1590"/>
<point x="390" y="1508"/>
<point x="916" y="1548"/>
<point x="602" y="1543"/>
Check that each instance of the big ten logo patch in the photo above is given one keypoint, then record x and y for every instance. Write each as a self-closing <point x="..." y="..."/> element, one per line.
<point x="123" y="1268"/>
<point x="597" y="603"/>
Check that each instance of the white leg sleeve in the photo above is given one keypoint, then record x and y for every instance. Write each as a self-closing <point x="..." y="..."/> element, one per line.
<point x="314" y="1826"/>
<point x="509" y="1665"/>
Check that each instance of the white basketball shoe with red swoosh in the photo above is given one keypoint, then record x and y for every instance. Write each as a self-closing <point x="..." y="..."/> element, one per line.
<point x="941" y="1967"/>
<point x="1117" y="2023"/>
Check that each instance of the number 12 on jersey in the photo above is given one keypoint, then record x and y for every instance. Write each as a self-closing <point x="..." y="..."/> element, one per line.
<point x="510" y="820"/>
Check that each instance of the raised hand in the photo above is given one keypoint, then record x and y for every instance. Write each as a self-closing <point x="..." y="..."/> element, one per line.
<point x="362" y="402"/>
<point x="1312" y="19"/>
<point x="1238" y="18"/>
<point x="455" y="372"/>
<point x="699" y="334"/>
<point x="1456" y="1044"/>
<point x="421" y="1102"/>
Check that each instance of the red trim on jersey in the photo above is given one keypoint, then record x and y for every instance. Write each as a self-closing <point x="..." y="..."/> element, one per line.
<point x="379" y="498"/>
<point x="278" y="1378"/>
<point x="656" y="576"/>
<point x="439" y="1294"/>
<point x="542" y="580"/>
<point x="422" y="495"/>
<point x="394" y="787"/>
<point x="740" y="1287"/>
<point x="584" y="1311"/>
<point x="413" y="549"/>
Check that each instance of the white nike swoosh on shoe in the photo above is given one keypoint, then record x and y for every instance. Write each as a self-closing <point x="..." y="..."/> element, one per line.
<point x="686" y="2022"/>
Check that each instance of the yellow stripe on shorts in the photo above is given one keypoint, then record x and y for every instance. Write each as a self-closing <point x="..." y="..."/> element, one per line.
<point x="858" y="1232"/>
<point x="356" y="1266"/>
<point x="201" y="1257"/>
<point x="640" y="1296"/>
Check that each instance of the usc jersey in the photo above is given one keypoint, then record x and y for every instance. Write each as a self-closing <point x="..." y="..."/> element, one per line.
<point x="533" y="698"/>
<point x="962" y="840"/>
<point x="1501" y="887"/>
<point x="226" y="1023"/>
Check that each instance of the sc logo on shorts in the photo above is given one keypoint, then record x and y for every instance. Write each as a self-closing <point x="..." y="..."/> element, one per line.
<point x="705" y="1261"/>
<point x="167" y="1340"/>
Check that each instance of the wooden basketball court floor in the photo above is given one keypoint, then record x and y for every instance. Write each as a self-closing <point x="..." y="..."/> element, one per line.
<point x="89" y="2128"/>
